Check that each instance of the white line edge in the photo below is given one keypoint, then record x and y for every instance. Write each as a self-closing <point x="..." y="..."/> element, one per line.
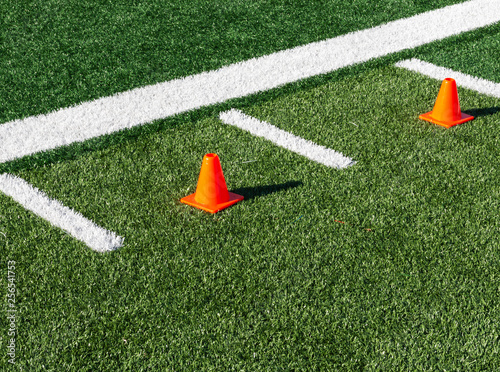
<point x="289" y="141"/>
<point x="483" y="86"/>
<point x="53" y="211"/>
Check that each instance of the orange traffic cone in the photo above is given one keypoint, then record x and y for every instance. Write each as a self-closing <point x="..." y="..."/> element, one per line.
<point x="446" y="111"/>
<point x="211" y="192"/>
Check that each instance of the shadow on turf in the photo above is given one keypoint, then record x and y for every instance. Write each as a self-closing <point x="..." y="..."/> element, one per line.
<point x="483" y="111"/>
<point x="252" y="192"/>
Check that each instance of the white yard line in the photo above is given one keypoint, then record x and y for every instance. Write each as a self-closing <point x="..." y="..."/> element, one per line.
<point x="309" y="149"/>
<point x="58" y="215"/>
<point x="483" y="86"/>
<point x="106" y="115"/>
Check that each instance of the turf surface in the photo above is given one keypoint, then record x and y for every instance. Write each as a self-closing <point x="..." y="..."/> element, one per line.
<point x="275" y="281"/>
<point x="407" y="280"/>
<point x="60" y="52"/>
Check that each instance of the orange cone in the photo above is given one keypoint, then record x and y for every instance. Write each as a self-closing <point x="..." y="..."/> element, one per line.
<point x="211" y="192"/>
<point x="446" y="111"/>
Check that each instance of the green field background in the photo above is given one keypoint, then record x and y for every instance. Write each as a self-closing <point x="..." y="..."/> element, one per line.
<point x="391" y="264"/>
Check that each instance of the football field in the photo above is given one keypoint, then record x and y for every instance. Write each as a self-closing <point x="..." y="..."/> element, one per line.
<point x="367" y="239"/>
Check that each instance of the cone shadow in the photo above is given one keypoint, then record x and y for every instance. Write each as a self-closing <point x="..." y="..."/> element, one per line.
<point x="252" y="192"/>
<point x="483" y="111"/>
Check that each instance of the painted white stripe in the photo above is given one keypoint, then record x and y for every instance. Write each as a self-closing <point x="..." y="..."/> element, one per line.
<point x="58" y="215"/>
<point x="487" y="87"/>
<point x="106" y="115"/>
<point x="309" y="149"/>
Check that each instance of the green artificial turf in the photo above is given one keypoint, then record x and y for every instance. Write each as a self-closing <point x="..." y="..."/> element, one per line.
<point x="408" y="281"/>
<point x="390" y="264"/>
<point x="474" y="53"/>
<point x="60" y="52"/>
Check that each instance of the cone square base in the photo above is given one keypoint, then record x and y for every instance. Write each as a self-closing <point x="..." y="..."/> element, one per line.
<point x="233" y="199"/>
<point x="447" y="124"/>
